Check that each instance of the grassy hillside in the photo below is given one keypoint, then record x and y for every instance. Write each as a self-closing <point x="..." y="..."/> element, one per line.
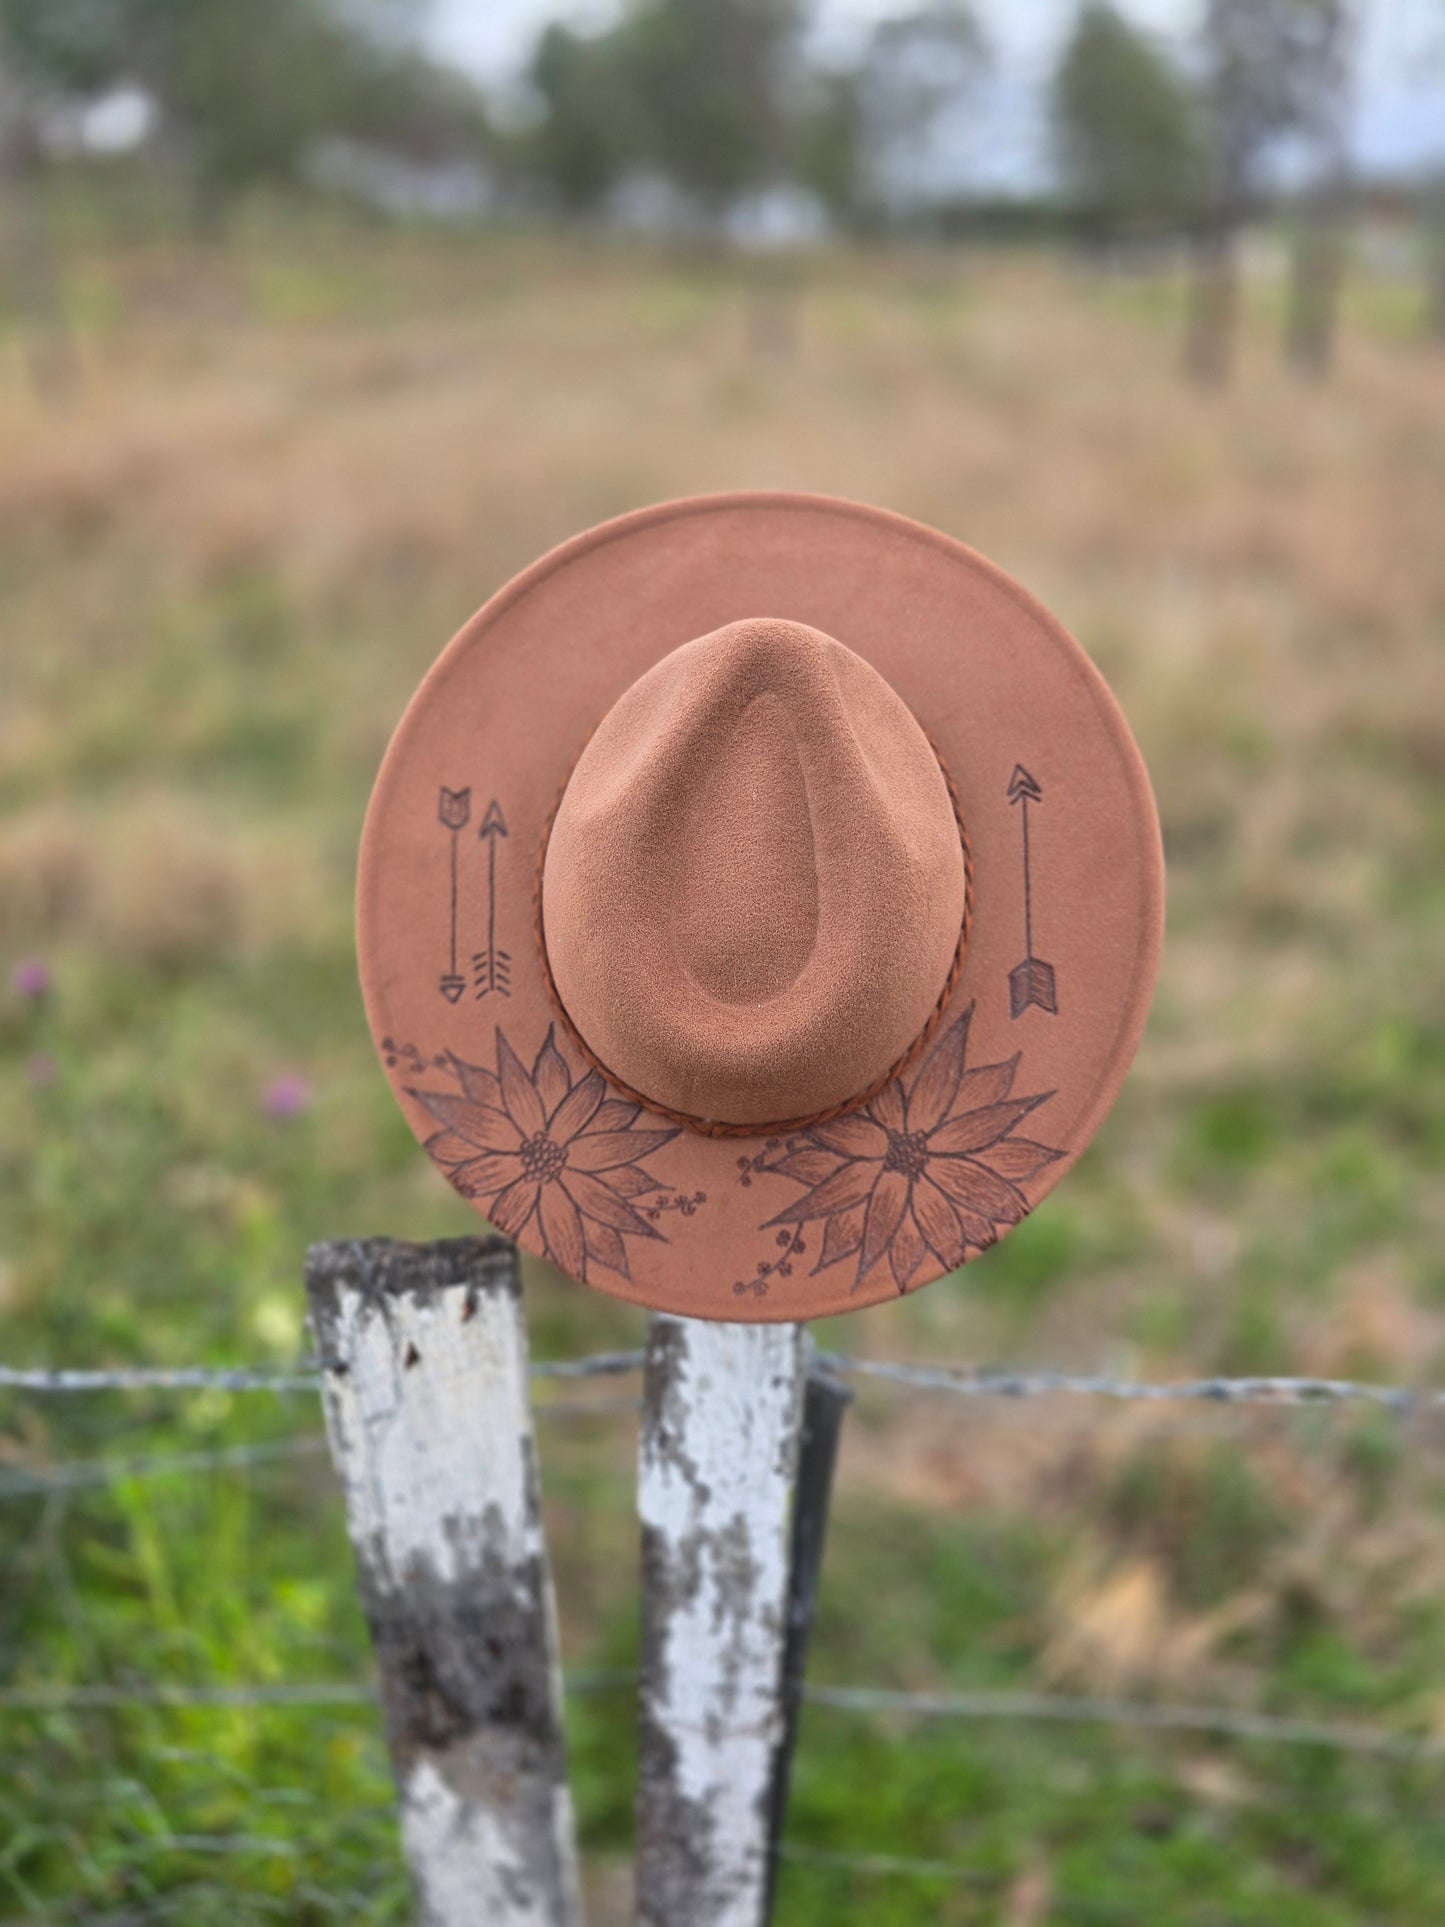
<point x="288" y="473"/>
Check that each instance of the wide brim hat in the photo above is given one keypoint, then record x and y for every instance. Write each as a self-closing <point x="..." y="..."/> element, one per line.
<point x="759" y="906"/>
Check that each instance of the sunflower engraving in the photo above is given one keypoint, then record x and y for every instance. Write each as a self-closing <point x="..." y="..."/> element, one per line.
<point x="931" y="1167"/>
<point x="541" y="1143"/>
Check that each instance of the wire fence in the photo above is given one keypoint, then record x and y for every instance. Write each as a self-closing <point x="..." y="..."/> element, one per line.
<point x="1235" y="1724"/>
<point x="306" y="1376"/>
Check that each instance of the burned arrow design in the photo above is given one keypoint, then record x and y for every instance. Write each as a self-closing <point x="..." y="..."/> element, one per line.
<point x="1032" y="981"/>
<point x="492" y="968"/>
<point x="454" y="810"/>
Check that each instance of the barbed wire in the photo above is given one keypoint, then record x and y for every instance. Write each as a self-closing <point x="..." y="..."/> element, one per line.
<point x="137" y="1696"/>
<point x="79" y="1474"/>
<point x="19" y="1482"/>
<point x="307" y="1375"/>
<point x="1235" y="1723"/>
<point x="1230" y="1722"/>
<point x="163" y="1378"/>
<point x="1219" y="1391"/>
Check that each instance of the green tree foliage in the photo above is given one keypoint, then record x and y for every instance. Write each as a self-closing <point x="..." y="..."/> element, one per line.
<point x="588" y="131"/>
<point x="920" y="67"/>
<point x="1125" y="126"/>
<point x="243" y="91"/>
<point x="713" y="85"/>
<point x="828" y="144"/>
<point x="708" y="93"/>
<point x="60" y="48"/>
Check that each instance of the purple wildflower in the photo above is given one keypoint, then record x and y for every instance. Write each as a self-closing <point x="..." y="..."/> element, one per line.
<point x="32" y="979"/>
<point x="287" y="1096"/>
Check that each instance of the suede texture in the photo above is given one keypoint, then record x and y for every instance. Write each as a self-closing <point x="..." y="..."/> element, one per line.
<point x="749" y="892"/>
<point x="754" y="883"/>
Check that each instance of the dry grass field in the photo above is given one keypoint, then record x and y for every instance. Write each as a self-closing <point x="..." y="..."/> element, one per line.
<point x="287" y="474"/>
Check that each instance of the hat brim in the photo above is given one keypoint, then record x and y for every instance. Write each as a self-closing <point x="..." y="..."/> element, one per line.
<point x="1062" y="954"/>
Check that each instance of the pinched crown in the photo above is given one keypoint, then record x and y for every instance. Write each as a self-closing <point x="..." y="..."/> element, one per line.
<point x="753" y="896"/>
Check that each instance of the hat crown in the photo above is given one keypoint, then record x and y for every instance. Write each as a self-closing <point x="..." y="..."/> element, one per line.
<point x="745" y="835"/>
<point x="754" y="886"/>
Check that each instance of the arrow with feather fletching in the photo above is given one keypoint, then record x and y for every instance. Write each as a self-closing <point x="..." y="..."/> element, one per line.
<point x="492" y="968"/>
<point x="1031" y="983"/>
<point x="454" y="809"/>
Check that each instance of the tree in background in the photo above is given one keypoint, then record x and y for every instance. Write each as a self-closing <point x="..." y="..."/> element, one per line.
<point x="1432" y="218"/>
<point x="919" y="68"/>
<point x="48" y="53"/>
<point x="587" y="135"/>
<point x="828" y="144"/>
<point x="1262" y="73"/>
<point x="718" y="97"/>
<point x="703" y="92"/>
<point x="1125" y="127"/>
<point x="714" y="84"/>
<point x="1322" y="92"/>
<point x="242" y="92"/>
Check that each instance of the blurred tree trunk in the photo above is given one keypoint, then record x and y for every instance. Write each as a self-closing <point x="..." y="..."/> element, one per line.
<point x="774" y="302"/>
<point x="27" y="249"/>
<point x="1318" y="262"/>
<point x="1433" y="217"/>
<point x="1213" y="303"/>
<point x="1229" y="30"/>
<point x="1317" y="273"/>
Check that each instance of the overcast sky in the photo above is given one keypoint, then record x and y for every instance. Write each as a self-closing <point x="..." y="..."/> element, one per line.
<point x="1400" y="121"/>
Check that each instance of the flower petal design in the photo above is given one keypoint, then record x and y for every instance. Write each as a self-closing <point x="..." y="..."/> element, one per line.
<point x="936" y="1085"/>
<point x="631" y="1181"/>
<point x="445" y="1147"/>
<point x="849" y="1186"/>
<point x="594" y="1197"/>
<point x="886" y="1206"/>
<point x="550" y="1074"/>
<point x="519" y="1094"/>
<point x="938" y="1221"/>
<point x="479" y="1125"/>
<point x="978" y="1189"/>
<point x="979" y="1232"/>
<point x="975" y="1130"/>
<point x="988" y="1084"/>
<point x="811" y="1165"/>
<point x="887" y="1107"/>
<point x="615" y="1114"/>
<point x="842" y="1235"/>
<point x="577" y="1108"/>
<point x="510" y="1210"/>
<point x="481" y="1086"/>
<point x="476" y="1177"/>
<point x="907" y="1251"/>
<point x="562" y="1229"/>
<point x="856" y="1136"/>
<point x="602" y="1150"/>
<point x="1019" y="1158"/>
<point x="605" y="1246"/>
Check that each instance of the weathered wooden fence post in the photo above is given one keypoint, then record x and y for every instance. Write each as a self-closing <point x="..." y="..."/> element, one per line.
<point x="430" y="1425"/>
<point x="825" y="1400"/>
<point x="722" y="1414"/>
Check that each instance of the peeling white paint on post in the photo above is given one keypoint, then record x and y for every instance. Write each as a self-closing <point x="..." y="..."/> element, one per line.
<point x="722" y="1410"/>
<point x="427" y="1412"/>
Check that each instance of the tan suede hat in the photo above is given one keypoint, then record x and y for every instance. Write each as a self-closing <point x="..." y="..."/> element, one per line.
<point x="760" y="903"/>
